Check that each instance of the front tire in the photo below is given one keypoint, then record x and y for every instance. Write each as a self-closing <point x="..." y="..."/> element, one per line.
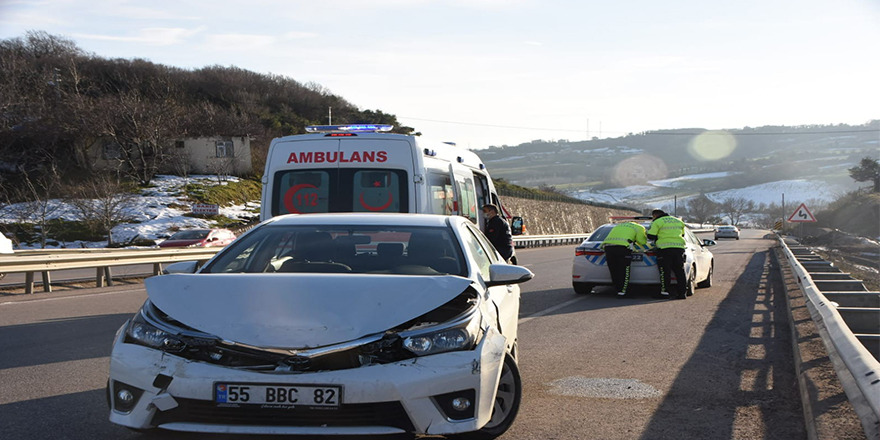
<point x="507" y="400"/>
<point x="583" y="288"/>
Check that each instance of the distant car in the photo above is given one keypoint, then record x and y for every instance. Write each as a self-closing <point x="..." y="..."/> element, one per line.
<point x="727" y="231"/>
<point x="5" y="248"/>
<point x="590" y="269"/>
<point x="328" y="324"/>
<point x="5" y="245"/>
<point x="199" y="238"/>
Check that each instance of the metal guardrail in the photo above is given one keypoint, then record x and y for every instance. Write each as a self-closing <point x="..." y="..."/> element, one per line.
<point x="45" y="260"/>
<point x="31" y="261"/>
<point x="859" y="362"/>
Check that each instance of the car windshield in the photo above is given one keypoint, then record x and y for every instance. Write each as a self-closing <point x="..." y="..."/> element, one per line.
<point x="190" y="235"/>
<point x="397" y="250"/>
<point x="729" y="228"/>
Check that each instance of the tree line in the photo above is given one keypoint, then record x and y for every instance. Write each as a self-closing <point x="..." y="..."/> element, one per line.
<point x="57" y="101"/>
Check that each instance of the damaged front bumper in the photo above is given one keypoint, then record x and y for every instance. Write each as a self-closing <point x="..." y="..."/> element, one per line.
<point x="174" y="393"/>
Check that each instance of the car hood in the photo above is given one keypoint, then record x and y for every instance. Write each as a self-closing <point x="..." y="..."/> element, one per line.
<point x="298" y="310"/>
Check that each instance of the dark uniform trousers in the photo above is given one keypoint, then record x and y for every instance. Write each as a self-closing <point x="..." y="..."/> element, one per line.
<point x="671" y="261"/>
<point x="619" y="259"/>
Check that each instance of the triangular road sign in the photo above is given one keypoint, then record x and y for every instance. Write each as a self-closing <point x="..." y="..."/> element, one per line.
<point x="802" y="214"/>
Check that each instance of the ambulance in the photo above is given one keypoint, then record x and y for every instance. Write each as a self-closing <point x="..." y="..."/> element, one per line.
<point x="364" y="168"/>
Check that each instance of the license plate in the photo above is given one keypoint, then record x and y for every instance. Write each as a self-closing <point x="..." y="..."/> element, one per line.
<point x="277" y="395"/>
<point x="637" y="257"/>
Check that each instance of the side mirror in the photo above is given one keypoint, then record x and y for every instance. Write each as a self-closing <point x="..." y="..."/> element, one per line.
<point x="517" y="226"/>
<point x="707" y="242"/>
<point x="181" y="267"/>
<point x="501" y="274"/>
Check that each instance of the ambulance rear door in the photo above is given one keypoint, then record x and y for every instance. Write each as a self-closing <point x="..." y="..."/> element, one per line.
<point x="303" y="176"/>
<point x="376" y="175"/>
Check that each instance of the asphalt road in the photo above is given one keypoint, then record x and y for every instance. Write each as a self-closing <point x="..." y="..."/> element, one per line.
<point x="715" y="366"/>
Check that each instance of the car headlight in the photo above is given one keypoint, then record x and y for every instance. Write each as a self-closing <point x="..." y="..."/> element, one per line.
<point x="144" y="333"/>
<point x="455" y="338"/>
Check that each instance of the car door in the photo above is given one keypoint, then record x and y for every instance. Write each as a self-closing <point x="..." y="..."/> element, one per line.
<point x="701" y="256"/>
<point x="503" y="299"/>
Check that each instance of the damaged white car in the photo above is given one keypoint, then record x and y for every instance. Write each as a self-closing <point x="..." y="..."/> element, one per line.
<point x="328" y="324"/>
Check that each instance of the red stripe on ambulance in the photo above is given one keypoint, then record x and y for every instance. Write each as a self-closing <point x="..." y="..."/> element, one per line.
<point x="337" y="156"/>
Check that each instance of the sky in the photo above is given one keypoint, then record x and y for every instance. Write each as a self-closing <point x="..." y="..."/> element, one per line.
<point x="493" y="72"/>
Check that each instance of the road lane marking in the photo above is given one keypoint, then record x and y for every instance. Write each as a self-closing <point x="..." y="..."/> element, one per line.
<point x="7" y="303"/>
<point x="550" y="310"/>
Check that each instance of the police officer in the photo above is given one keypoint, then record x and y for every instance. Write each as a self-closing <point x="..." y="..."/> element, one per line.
<point x="498" y="231"/>
<point x="618" y="253"/>
<point x="668" y="234"/>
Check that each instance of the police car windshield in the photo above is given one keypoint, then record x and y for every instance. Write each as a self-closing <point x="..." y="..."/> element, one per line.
<point x="389" y="250"/>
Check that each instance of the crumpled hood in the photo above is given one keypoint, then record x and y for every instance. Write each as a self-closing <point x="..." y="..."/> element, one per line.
<point x="298" y="310"/>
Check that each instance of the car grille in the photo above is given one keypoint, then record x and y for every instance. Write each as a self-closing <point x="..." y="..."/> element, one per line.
<point x="389" y="414"/>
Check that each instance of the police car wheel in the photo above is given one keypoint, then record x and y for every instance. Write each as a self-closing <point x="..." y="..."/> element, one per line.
<point x="582" y="288"/>
<point x="708" y="281"/>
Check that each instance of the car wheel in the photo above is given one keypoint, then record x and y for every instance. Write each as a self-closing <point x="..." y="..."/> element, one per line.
<point x="692" y="282"/>
<point x="582" y="288"/>
<point x="507" y="400"/>
<point x="708" y="281"/>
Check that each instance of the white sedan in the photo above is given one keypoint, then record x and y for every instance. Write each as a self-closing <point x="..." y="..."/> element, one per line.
<point x="590" y="269"/>
<point x="328" y="324"/>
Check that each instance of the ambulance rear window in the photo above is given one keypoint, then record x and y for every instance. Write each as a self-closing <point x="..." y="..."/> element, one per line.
<point x="340" y="190"/>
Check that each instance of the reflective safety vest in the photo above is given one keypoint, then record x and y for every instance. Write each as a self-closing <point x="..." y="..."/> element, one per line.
<point x="626" y="233"/>
<point x="669" y="232"/>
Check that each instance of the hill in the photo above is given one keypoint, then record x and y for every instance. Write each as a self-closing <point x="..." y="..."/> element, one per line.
<point x="653" y="167"/>
<point x="56" y="100"/>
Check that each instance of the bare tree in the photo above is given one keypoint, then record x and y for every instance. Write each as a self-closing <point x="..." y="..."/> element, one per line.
<point x="103" y="203"/>
<point x="736" y="207"/>
<point x="142" y="126"/>
<point x="701" y="208"/>
<point x="36" y="205"/>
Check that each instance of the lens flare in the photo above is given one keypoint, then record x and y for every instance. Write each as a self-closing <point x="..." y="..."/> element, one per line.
<point x="712" y="145"/>
<point x="639" y="170"/>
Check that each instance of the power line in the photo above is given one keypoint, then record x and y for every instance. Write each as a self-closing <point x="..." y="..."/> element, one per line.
<point x="724" y="132"/>
<point x="651" y="133"/>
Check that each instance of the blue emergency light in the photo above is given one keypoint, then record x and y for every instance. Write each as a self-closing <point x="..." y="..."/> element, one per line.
<point x="350" y="128"/>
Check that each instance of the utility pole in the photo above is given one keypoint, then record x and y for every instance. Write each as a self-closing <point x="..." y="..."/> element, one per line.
<point x="588" y="128"/>
<point x="329" y="115"/>
<point x="783" y="211"/>
<point x="675" y="206"/>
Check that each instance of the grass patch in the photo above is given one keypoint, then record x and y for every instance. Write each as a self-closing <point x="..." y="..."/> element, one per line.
<point x="233" y="193"/>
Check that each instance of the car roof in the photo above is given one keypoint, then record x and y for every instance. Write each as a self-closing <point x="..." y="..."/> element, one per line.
<point x="365" y="219"/>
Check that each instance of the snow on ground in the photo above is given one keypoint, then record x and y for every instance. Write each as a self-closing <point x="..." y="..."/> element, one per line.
<point x="619" y="195"/>
<point x="153" y="218"/>
<point x="507" y="159"/>
<point x="794" y="190"/>
<point x="673" y="182"/>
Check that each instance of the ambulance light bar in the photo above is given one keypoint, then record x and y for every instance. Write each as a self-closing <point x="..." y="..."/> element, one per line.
<point x="350" y="128"/>
<point x="628" y="218"/>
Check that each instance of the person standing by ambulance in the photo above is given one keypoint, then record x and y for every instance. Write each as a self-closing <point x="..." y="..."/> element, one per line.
<point x="498" y="232"/>
<point x="668" y="235"/>
<point x="618" y="253"/>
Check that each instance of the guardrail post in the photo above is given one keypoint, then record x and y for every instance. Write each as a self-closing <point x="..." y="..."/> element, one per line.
<point x="108" y="276"/>
<point x="47" y="282"/>
<point x="157" y="269"/>
<point x="99" y="277"/>
<point x="29" y="282"/>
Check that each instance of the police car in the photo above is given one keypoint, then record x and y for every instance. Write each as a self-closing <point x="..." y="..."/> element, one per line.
<point x="590" y="269"/>
<point x="364" y="168"/>
<point x="328" y="324"/>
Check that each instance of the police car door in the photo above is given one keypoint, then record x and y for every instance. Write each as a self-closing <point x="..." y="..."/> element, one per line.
<point x="702" y="257"/>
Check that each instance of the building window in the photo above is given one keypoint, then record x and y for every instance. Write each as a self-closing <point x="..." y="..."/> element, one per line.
<point x="225" y="149"/>
<point x="112" y="151"/>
